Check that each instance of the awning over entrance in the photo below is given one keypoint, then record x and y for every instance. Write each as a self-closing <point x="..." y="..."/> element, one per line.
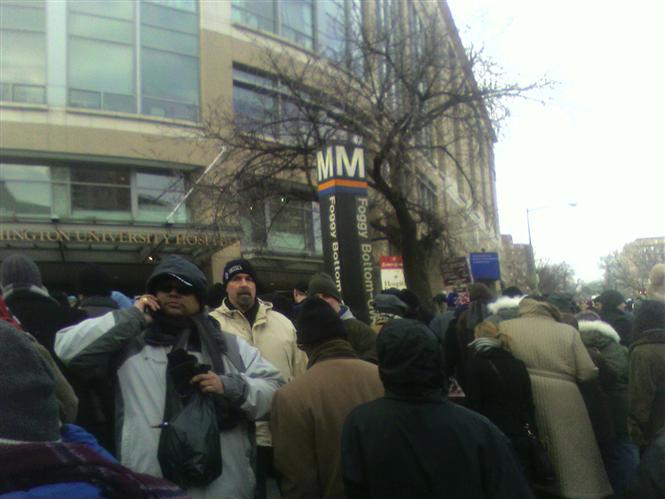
<point x="127" y="251"/>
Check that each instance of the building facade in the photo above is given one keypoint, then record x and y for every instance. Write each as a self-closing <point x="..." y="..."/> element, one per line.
<point x="99" y="101"/>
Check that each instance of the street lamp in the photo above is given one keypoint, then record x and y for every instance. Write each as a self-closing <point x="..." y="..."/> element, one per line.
<point x="530" y="210"/>
<point x="532" y="262"/>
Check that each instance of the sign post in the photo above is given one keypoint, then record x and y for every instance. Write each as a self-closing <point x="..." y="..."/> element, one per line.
<point x="456" y="272"/>
<point x="485" y="266"/>
<point x="347" y="249"/>
<point x="392" y="272"/>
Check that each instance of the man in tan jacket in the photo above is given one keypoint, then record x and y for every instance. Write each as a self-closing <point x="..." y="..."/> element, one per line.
<point x="254" y="320"/>
<point x="308" y="415"/>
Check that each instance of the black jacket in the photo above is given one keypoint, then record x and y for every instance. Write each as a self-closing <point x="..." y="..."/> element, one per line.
<point x="413" y="443"/>
<point x="41" y="315"/>
<point x="504" y="398"/>
<point x="621" y="322"/>
<point x="95" y="306"/>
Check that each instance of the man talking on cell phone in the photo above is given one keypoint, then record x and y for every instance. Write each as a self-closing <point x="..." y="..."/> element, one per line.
<point x="132" y="346"/>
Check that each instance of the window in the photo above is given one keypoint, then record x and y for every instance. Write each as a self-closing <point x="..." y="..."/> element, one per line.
<point x="255" y="102"/>
<point x="96" y="192"/>
<point x="23" y="51"/>
<point x="102" y="57"/>
<point x="426" y="193"/>
<point x="292" y="19"/>
<point x="296" y="22"/>
<point x="254" y="14"/>
<point x="100" y="193"/>
<point x="24" y="190"/>
<point x="260" y="107"/>
<point x="283" y="225"/>
<point x="169" y="59"/>
<point x="157" y="195"/>
<point x="332" y="28"/>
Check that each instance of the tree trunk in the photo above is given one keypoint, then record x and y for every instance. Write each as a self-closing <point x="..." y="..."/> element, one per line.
<point x="415" y="258"/>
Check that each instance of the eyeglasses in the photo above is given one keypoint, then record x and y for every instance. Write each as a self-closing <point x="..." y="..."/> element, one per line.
<point x="181" y="289"/>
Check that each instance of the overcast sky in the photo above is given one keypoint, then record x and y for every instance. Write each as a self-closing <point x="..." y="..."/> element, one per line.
<point x="598" y="142"/>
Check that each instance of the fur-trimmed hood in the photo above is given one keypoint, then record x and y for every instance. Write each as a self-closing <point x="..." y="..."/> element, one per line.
<point x="503" y="303"/>
<point x="597" y="333"/>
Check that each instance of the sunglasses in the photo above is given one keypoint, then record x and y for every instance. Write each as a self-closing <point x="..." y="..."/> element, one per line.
<point x="181" y="289"/>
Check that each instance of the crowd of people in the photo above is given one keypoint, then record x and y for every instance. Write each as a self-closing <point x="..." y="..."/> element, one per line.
<point x="191" y="390"/>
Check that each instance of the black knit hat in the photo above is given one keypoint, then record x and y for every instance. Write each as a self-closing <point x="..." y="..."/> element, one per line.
<point x="324" y="284"/>
<point x="27" y="391"/>
<point x="239" y="266"/>
<point x="20" y="270"/>
<point x="94" y="281"/>
<point x="318" y="322"/>
<point x="610" y="299"/>
<point x="410" y="360"/>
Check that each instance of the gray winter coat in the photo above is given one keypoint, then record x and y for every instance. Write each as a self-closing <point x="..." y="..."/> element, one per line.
<point x="113" y="344"/>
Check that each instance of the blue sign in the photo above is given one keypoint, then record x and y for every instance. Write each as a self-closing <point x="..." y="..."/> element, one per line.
<point x="485" y="266"/>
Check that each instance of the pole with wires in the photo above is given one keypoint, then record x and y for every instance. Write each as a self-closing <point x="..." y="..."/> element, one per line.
<point x="169" y="218"/>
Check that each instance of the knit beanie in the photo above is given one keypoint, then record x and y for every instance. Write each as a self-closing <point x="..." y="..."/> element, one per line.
<point x="20" y="271"/>
<point x="27" y="391"/>
<point x="323" y="283"/>
<point x="390" y="304"/>
<point x="649" y="315"/>
<point x="94" y="281"/>
<point x="318" y="322"/>
<point x="610" y="299"/>
<point x="410" y="360"/>
<point x="239" y="266"/>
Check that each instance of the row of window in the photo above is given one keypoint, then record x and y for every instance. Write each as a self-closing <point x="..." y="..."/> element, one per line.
<point x="320" y="26"/>
<point x="90" y="193"/>
<point x="133" y="57"/>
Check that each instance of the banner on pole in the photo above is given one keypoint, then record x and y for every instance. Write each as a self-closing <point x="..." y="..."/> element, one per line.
<point x="347" y="249"/>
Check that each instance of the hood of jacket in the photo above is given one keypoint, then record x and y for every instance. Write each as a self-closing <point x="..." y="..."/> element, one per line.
<point x="597" y="334"/>
<point x="504" y="303"/>
<point x="410" y="360"/>
<point x="529" y="307"/>
<point x="184" y="271"/>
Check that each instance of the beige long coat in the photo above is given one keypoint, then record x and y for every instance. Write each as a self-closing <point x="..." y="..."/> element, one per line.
<point x="556" y="359"/>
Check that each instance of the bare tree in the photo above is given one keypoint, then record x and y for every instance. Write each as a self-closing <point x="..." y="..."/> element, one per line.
<point x="628" y="270"/>
<point x="404" y="90"/>
<point x="555" y="278"/>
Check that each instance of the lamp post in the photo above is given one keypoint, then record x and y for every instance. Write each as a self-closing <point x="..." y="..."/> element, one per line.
<point x="532" y="263"/>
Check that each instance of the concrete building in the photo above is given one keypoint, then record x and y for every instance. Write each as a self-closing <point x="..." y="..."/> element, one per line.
<point x="98" y="100"/>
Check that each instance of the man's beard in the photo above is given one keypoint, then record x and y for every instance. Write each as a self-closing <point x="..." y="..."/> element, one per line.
<point x="245" y="301"/>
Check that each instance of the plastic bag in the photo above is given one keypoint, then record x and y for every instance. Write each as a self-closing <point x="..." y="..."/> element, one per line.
<point x="190" y="452"/>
